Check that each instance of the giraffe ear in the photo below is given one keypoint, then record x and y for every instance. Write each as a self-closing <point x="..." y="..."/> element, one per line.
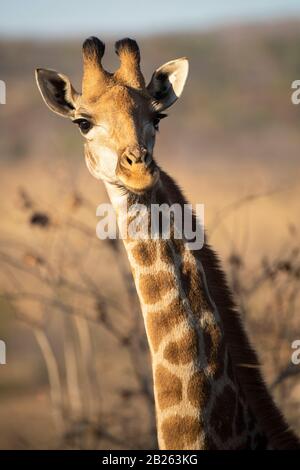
<point x="167" y="83"/>
<point x="57" y="91"/>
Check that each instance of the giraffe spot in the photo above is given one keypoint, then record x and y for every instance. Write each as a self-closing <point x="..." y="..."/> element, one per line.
<point x="168" y="386"/>
<point x="166" y="254"/>
<point x="178" y="245"/>
<point x="198" y="389"/>
<point x="179" y="433"/>
<point x="190" y="286"/>
<point x="214" y="349"/>
<point x="160" y="323"/>
<point x="222" y="415"/>
<point x="182" y="351"/>
<point x="154" y="287"/>
<point x="144" y="253"/>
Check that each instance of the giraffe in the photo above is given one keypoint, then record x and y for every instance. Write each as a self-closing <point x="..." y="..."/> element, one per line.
<point x="208" y="389"/>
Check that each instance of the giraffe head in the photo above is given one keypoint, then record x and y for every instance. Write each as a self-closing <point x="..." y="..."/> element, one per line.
<point x="117" y="114"/>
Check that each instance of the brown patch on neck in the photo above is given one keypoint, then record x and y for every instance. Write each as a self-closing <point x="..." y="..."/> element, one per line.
<point x="182" y="351"/>
<point x="144" y="253"/>
<point x="199" y="389"/>
<point x="159" y="324"/>
<point x="168" y="387"/>
<point x="179" y="433"/>
<point x="192" y="285"/>
<point x="154" y="286"/>
<point x="214" y="349"/>
<point x="165" y="252"/>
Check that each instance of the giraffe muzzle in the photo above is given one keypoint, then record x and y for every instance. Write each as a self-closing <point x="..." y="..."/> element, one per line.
<point x="136" y="169"/>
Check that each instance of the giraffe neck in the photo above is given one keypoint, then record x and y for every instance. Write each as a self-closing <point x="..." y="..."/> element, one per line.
<point x="199" y="401"/>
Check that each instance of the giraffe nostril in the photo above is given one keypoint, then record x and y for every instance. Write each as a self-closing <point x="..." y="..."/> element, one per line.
<point x="137" y="155"/>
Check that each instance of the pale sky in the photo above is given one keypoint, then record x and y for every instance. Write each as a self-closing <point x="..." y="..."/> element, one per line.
<point x="53" y="18"/>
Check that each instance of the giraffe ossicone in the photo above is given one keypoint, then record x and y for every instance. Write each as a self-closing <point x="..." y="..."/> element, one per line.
<point x="209" y="392"/>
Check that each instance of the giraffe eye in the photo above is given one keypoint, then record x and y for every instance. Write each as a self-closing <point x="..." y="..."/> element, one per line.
<point x="84" y="125"/>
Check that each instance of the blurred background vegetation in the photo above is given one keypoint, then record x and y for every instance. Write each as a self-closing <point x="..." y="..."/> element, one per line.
<point x="78" y="371"/>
